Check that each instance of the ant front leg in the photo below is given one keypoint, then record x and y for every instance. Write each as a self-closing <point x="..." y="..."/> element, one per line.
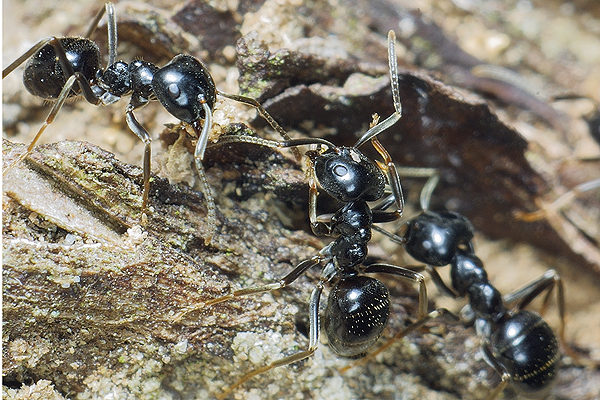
<point x="433" y="178"/>
<point x="261" y="110"/>
<point x="319" y="225"/>
<point x="389" y="168"/>
<point x="211" y="209"/>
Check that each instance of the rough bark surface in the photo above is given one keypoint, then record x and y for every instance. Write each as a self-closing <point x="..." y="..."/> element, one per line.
<point x="91" y="298"/>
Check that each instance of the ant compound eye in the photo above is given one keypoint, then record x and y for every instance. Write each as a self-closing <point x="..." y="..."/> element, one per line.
<point x="340" y="170"/>
<point x="174" y="90"/>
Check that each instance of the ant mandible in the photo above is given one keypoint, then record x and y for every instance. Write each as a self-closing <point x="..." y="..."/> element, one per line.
<point x="358" y="306"/>
<point x="59" y="68"/>
<point x="517" y="343"/>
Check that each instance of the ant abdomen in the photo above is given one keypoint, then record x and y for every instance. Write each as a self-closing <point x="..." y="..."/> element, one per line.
<point x="358" y="308"/>
<point x="44" y="76"/>
<point x="526" y="346"/>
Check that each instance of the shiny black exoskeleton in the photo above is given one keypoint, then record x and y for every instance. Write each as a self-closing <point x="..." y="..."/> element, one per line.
<point x="433" y="238"/>
<point x="358" y="306"/>
<point x="180" y="84"/>
<point x="519" y="344"/>
<point x="346" y="174"/>
<point x="62" y="67"/>
<point x="43" y="75"/>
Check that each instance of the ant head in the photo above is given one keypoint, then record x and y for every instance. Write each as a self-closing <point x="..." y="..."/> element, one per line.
<point x="434" y="237"/>
<point x="347" y="175"/>
<point x="181" y="85"/>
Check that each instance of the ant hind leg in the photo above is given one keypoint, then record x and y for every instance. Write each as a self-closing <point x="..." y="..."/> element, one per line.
<point x="312" y="345"/>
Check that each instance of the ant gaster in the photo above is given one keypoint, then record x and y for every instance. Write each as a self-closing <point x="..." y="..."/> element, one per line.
<point x="517" y="343"/>
<point x="64" y="67"/>
<point x="358" y="306"/>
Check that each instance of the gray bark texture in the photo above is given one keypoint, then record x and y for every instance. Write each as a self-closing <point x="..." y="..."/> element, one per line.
<point x="97" y="305"/>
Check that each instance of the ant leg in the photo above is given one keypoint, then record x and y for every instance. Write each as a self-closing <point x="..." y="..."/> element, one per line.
<point x="111" y="27"/>
<point x="206" y="128"/>
<point x="211" y="214"/>
<point x="435" y="276"/>
<point x="392" y="119"/>
<point x="211" y="209"/>
<point x="252" y="102"/>
<point x="319" y="226"/>
<point x="559" y="203"/>
<point x="491" y="360"/>
<point x="283" y="282"/>
<point x="36" y="47"/>
<point x="144" y="136"/>
<point x="389" y="168"/>
<point x="276" y="144"/>
<point x="393" y="65"/>
<point x="406" y="274"/>
<point x="426" y="192"/>
<point x="60" y="100"/>
<point x="112" y="34"/>
<point x="522" y="297"/>
<point x="392" y="236"/>
<point x="312" y="345"/>
<point x="440" y="312"/>
<point x="440" y="284"/>
<point x="68" y="71"/>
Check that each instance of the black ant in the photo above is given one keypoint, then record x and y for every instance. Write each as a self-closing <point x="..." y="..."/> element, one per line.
<point x="64" y="67"/>
<point x="517" y="343"/>
<point x="358" y="306"/>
